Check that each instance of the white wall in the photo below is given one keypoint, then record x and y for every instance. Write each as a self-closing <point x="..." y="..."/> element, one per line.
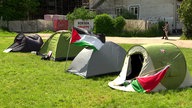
<point x="154" y="10"/>
<point x="107" y="7"/>
<point x="149" y="9"/>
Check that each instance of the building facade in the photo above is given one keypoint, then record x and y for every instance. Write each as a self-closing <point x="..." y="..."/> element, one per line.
<point x="150" y="10"/>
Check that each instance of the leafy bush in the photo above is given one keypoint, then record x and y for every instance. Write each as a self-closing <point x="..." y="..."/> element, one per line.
<point x="119" y="24"/>
<point x="81" y="13"/>
<point x="184" y="37"/>
<point x="18" y="9"/>
<point x="187" y="34"/>
<point x="155" y="30"/>
<point x="185" y="16"/>
<point x="107" y="25"/>
<point x="103" y="24"/>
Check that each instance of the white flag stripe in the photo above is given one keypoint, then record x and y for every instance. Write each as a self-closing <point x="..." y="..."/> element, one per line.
<point x="92" y="40"/>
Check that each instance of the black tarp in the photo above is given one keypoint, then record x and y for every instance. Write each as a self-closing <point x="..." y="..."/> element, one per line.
<point x="24" y="43"/>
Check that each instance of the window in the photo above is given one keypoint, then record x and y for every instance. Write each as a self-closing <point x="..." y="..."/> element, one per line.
<point x="118" y="11"/>
<point x="134" y="10"/>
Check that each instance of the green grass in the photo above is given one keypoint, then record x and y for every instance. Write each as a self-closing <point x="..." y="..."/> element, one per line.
<point x="4" y="33"/>
<point x="29" y="82"/>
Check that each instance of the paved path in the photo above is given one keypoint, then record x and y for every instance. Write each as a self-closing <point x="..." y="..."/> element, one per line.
<point x="144" y="40"/>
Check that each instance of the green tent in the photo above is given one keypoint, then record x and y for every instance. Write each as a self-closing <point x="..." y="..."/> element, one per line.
<point x="145" y="61"/>
<point x="58" y="43"/>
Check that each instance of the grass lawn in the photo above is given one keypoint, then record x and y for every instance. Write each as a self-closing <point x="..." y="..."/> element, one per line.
<point x="4" y="33"/>
<point x="27" y="81"/>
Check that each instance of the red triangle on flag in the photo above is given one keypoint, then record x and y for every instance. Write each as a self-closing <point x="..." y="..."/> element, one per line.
<point x="150" y="82"/>
<point x="75" y="36"/>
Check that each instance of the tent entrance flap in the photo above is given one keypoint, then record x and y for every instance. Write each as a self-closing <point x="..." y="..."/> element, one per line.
<point x="136" y="65"/>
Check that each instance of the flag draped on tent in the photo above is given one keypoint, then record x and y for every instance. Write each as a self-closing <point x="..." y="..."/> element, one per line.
<point x="85" y="40"/>
<point x="147" y="84"/>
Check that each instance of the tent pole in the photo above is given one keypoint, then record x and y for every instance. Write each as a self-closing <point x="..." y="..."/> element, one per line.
<point x="68" y="50"/>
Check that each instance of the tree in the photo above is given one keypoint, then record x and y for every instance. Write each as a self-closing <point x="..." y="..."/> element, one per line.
<point x="18" y="9"/>
<point x="185" y="15"/>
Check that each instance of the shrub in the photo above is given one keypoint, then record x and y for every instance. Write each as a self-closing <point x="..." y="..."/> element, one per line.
<point x="81" y="13"/>
<point x="103" y="24"/>
<point x="107" y="25"/>
<point x="184" y="37"/>
<point x="119" y="23"/>
<point x="155" y="30"/>
<point x="160" y="24"/>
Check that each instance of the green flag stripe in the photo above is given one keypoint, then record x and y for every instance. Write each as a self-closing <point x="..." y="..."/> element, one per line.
<point x="137" y="87"/>
<point x="83" y="43"/>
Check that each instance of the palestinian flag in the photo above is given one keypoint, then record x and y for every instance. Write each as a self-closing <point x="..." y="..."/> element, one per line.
<point x="85" y="40"/>
<point x="148" y="83"/>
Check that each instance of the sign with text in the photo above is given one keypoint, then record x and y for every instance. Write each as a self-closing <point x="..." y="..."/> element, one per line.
<point x="60" y="25"/>
<point x="85" y="24"/>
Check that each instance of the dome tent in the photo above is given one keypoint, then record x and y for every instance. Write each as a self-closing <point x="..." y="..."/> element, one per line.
<point x="90" y="63"/>
<point x="25" y="43"/>
<point x="58" y="44"/>
<point x="143" y="61"/>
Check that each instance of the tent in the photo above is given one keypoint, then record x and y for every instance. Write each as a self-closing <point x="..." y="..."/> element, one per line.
<point x="89" y="63"/>
<point x="58" y="44"/>
<point x="24" y="43"/>
<point x="82" y="31"/>
<point x="144" y="62"/>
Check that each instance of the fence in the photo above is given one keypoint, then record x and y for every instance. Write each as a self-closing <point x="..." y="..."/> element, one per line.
<point x="138" y="25"/>
<point x="54" y="25"/>
<point x="33" y="25"/>
<point x="3" y="24"/>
